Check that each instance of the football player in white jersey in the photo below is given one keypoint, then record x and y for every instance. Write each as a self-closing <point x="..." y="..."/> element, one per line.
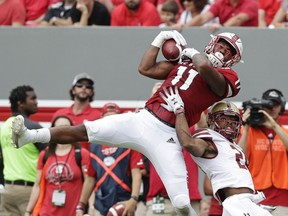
<point x="216" y="153"/>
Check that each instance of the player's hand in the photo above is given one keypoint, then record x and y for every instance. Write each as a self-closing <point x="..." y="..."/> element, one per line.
<point x="173" y="100"/>
<point x="190" y="52"/>
<point x="166" y="35"/>
<point x="216" y="59"/>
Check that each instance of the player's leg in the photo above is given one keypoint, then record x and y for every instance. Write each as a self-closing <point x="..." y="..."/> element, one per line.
<point x="238" y="205"/>
<point x="168" y="160"/>
<point x="123" y="130"/>
<point x="116" y="130"/>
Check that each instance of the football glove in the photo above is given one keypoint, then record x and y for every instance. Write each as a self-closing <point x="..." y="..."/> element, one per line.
<point x="165" y="35"/>
<point x="173" y="100"/>
<point x="190" y="52"/>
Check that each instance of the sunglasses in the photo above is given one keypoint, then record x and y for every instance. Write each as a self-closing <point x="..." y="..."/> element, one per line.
<point x="80" y="85"/>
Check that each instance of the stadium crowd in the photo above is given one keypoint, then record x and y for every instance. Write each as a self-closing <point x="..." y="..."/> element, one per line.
<point x="163" y="13"/>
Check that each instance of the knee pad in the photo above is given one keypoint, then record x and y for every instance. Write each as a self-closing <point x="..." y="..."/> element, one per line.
<point x="182" y="205"/>
<point x="180" y="201"/>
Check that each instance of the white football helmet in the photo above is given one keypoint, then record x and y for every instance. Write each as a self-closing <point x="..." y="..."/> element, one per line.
<point x="230" y="130"/>
<point x="216" y="58"/>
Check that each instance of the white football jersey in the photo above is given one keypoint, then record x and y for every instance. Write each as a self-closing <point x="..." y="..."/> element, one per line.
<point x="228" y="168"/>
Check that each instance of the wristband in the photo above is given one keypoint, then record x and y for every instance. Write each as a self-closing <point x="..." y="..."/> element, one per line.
<point x="193" y="52"/>
<point x="179" y="111"/>
<point x="136" y="198"/>
<point x="81" y="206"/>
<point x="158" y="41"/>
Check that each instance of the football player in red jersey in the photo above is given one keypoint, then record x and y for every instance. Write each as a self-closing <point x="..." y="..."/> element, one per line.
<point x="201" y="79"/>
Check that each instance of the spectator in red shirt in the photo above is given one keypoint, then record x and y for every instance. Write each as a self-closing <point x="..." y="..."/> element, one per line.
<point x="230" y="13"/>
<point x="12" y="13"/>
<point x="36" y="9"/>
<point x="266" y="11"/>
<point x="82" y="93"/>
<point x="280" y="18"/>
<point x="135" y="13"/>
<point x="111" y="4"/>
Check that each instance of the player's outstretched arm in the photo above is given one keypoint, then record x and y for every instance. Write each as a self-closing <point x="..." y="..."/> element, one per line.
<point x="194" y="146"/>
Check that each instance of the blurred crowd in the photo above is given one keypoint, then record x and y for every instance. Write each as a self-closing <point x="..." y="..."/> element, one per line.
<point x="174" y="14"/>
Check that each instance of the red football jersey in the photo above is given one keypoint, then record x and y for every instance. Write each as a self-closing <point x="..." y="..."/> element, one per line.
<point x="194" y="91"/>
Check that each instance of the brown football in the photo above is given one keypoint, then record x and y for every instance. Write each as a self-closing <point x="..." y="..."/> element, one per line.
<point x="116" y="210"/>
<point x="171" y="51"/>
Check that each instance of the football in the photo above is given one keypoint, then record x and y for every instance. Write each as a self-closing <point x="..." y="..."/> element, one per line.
<point x="116" y="210"/>
<point x="171" y="51"/>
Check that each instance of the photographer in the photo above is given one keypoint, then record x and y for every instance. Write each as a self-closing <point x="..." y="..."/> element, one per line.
<point x="266" y="146"/>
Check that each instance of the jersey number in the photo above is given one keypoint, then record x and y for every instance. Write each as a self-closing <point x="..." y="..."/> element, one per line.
<point x="240" y="159"/>
<point x="192" y="74"/>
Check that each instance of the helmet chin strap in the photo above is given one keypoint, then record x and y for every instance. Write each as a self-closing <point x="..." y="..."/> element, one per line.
<point x="216" y="59"/>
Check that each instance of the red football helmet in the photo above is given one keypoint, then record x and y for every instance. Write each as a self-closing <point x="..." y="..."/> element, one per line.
<point x="217" y="58"/>
<point x="224" y="108"/>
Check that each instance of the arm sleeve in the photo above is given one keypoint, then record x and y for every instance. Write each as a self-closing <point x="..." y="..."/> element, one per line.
<point x="215" y="8"/>
<point x="233" y="81"/>
<point x="90" y="170"/>
<point x="136" y="160"/>
<point x="85" y="157"/>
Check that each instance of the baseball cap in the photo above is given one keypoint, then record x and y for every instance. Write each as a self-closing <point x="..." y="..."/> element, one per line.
<point x="110" y="107"/>
<point x="82" y="76"/>
<point x="274" y="95"/>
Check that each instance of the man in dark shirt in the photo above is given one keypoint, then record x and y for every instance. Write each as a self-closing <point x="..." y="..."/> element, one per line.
<point x="90" y="13"/>
<point x="58" y="14"/>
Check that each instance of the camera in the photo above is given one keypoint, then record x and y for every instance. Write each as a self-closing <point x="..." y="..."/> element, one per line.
<point x="257" y="119"/>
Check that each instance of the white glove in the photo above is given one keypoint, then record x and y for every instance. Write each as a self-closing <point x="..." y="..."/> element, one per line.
<point x="216" y="59"/>
<point x="173" y="100"/>
<point x="190" y="52"/>
<point x="165" y="35"/>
